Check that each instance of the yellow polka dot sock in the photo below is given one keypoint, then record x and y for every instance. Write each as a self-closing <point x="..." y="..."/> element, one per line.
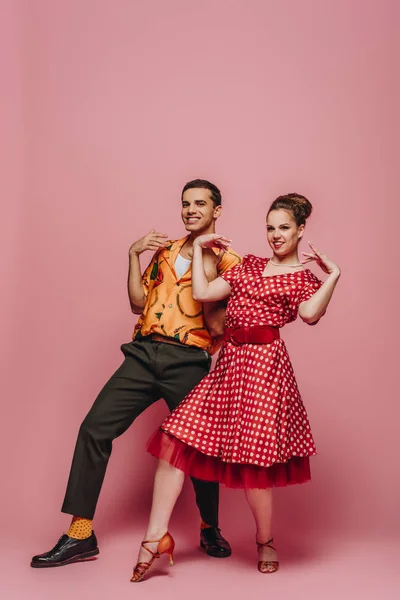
<point x="80" y="528"/>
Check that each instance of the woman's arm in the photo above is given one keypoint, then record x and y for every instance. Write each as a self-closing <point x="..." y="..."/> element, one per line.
<point x="313" y="309"/>
<point x="202" y="289"/>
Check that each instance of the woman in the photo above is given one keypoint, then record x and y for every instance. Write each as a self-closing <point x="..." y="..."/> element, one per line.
<point x="244" y="424"/>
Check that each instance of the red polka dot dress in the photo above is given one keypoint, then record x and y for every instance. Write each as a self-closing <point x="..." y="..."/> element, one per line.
<point x="244" y="424"/>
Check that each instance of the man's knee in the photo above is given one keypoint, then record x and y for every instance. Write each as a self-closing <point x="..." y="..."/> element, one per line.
<point x="101" y="427"/>
<point x="91" y="427"/>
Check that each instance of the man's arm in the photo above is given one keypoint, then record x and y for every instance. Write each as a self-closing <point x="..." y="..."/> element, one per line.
<point x="214" y="317"/>
<point x="136" y="289"/>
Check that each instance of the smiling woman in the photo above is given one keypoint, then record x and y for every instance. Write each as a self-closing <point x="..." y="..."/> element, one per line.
<point x="285" y="227"/>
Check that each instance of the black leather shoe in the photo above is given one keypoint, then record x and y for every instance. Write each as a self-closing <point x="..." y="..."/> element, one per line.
<point x="67" y="550"/>
<point x="213" y="542"/>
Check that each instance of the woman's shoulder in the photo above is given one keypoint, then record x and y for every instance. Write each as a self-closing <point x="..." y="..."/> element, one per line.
<point x="254" y="260"/>
<point x="309" y="277"/>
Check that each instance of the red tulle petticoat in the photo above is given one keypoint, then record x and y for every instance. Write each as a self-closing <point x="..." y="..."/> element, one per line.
<point x="209" y="468"/>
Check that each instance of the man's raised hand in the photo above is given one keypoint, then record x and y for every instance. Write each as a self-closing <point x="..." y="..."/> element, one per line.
<point x="152" y="241"/>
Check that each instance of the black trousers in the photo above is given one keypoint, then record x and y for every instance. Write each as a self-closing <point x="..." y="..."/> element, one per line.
<point x="151" y="370"/>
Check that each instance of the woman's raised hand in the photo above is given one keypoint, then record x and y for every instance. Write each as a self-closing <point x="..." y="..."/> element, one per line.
<point x="212" y="240"/>
<point x="325" y="263"/>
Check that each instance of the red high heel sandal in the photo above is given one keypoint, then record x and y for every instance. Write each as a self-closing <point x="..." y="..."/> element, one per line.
<point x="166" y="545"/>
<point x="267" y="566"/>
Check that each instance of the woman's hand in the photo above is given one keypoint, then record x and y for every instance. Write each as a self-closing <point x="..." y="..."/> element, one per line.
<point x="327" y="265"/>
<point x="212" y="240"/>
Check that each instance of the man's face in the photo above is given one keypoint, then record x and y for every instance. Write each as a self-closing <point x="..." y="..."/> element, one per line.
<point x="198" y="210"/>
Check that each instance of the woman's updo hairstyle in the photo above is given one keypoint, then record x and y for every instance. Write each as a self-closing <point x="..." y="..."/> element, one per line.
<point x="299" y="207"/>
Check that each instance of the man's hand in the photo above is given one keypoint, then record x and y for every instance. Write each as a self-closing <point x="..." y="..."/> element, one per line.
<point x="152" y="241"/>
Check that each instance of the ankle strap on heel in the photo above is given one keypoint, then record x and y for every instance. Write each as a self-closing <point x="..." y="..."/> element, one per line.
<point x="155" y="554"/>
<point x="267" y="544"/>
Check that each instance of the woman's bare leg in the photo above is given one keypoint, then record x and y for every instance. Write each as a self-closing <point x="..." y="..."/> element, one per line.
<point x="260" y="502"/>
<point x="168" y="483"/>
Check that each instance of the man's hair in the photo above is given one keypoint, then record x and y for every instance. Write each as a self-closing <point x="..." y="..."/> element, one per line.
<point x="203" y="183"/>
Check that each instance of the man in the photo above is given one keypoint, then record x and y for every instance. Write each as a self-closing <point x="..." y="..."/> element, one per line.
<point x="170" y="353"/>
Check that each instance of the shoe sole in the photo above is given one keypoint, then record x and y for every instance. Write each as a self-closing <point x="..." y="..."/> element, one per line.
<point x="215" y="555"/>
<point x="78" y="558"/>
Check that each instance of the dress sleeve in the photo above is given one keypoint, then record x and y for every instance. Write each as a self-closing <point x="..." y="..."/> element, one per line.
<point x="309" y="289"/>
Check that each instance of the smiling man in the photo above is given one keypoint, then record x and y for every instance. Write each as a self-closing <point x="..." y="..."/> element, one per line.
<point x="169" y="354"/>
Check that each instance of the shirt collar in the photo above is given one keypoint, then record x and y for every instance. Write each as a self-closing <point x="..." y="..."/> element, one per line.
<point x="176" y="247"/>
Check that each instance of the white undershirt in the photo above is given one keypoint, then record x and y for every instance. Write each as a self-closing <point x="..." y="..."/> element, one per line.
<point x="181" y="265"/>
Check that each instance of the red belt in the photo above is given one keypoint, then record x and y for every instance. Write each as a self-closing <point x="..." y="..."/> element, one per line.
<point x="256" y="334"/>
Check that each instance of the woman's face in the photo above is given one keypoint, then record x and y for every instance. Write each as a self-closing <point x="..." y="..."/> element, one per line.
<point x="283" y="233"/>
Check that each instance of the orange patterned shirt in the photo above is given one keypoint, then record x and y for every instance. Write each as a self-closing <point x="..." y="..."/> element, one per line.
<point x="170" y="309"/>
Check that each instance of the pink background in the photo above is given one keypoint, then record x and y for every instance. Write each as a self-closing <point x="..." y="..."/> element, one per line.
<point x="108" y="108"/>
